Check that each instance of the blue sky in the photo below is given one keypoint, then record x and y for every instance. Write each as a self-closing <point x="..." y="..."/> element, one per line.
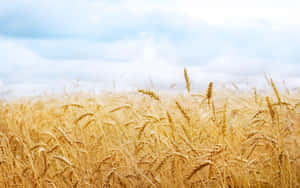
<point x="46" y="45"/>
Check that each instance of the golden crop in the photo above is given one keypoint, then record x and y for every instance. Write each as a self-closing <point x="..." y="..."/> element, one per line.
<point x="218" y="138"/>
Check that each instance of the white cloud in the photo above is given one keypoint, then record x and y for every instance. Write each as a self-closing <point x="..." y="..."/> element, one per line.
<point x="55" y="75"/>
<point x="216" y="12"/>
<point x="49" y="43"/>
<point x="94" y="17"/>
<point x="13" y="55"/>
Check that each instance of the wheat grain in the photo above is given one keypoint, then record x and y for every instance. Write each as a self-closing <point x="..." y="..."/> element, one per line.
<point x="64" y="160"/>
<point x="88" y="123"/>
<point x="198" y="168"/>
<point x="64" y="135"/>
<point x="162" y="162"/>
<point x="169" y="118"/>
<point x="271" y="111"/>
<point x="142" y="129"/>
<point x="276" y="91"/>
<point x="66" y="107"/>
<point x="38" y="146"/>
<point x="53" y="148"/>
<point x="209" y="92"/>
<point x="187" y="81"/>
<point x="83" y="116"/>
<point x="183" y="112"/>
<point x="149" y="93"/>
<point x="43" y="154"/>
<point x="120" y="107"/>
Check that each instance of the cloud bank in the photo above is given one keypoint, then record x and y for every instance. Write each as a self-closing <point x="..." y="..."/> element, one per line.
<point x="46" y="45"/>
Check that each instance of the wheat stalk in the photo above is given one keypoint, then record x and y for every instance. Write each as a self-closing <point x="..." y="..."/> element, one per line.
<point x="224" y="127"/>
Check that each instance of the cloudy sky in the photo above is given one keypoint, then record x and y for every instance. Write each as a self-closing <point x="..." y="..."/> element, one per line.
<point x="54" y="44"/>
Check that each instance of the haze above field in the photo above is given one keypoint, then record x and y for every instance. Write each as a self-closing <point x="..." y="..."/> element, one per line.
<point x="46" y="45"/>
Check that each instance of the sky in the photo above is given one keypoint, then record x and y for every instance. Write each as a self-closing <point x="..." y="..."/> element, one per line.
<point x="52" y="45"/>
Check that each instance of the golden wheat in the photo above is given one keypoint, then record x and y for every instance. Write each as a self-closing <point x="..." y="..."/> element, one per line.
<point x="129" y="140"/>
<point x="187" y="81"/>
<point x="149" y="93"/>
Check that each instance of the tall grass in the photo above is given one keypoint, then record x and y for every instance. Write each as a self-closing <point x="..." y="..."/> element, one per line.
<point x="146" y="139"/>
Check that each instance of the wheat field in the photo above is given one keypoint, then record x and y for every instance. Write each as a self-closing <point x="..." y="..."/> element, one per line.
<point x="147" y="138"/>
